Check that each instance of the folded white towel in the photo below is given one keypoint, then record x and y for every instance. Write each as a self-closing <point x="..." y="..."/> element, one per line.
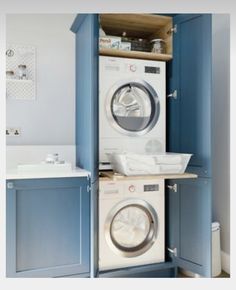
<point x="167" y="159"/>
<point x="144" y="159"/>
<point x="170" y="168"/>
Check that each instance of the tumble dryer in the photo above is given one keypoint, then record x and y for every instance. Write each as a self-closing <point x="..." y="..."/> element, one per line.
<point x="131" y="223"/>
<point x="132" y="106"/>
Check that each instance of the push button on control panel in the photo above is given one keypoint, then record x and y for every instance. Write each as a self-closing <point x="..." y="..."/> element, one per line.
<point x="133" y="67"/>
<point x="131" y="188"/>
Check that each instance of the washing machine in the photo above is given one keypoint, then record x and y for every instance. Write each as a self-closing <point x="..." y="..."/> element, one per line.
<point x="131" y="223"/>
<point x="132" y="107"/>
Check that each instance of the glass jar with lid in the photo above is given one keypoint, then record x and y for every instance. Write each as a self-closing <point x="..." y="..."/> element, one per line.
<point x="158" y="45"/>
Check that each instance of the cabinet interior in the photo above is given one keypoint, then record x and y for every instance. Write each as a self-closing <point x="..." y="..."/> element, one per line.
<point x="145" y="26"/>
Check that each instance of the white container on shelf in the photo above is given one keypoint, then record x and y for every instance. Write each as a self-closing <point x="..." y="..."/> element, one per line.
<point x="126" y="46"/>
<point x="130" y="164"/>
<point x="109" y="42"/>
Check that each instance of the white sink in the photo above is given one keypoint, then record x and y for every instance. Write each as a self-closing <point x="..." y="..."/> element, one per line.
<point x="43" y="168"/>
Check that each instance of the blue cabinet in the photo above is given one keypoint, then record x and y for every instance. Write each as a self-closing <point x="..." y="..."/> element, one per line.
<point x="188" y="131"/>
<point x="85" y="28"/>
<point x="189" y="116"/>
<point x="48" y="227"/>
<point x="189" y="224"/>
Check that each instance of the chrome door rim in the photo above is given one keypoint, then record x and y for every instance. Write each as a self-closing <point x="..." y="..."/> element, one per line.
<point x="138" y="83"/>
<point x="149" y="240"/>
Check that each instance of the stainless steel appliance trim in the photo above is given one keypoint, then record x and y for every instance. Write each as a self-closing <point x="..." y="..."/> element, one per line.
<point x="152" y="234"/>
<point x="139" y="83"/>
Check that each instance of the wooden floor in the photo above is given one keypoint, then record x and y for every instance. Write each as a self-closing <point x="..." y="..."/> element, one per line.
<point x="222" y="275"/>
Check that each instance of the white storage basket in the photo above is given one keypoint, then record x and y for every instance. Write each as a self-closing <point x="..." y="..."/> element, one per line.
<point x="130" y="164"/>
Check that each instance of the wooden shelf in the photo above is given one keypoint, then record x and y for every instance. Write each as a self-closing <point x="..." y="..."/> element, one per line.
<point x="145" y="26"/>
<point x="139" y="25"/>
<point x="110" y="175"/>
<point x="135" y="54"/>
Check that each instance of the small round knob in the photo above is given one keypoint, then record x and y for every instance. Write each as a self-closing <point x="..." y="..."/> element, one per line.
<point x="132" y="188"/>
<point x="133" y="67"/>
<point x="10" y="185"/>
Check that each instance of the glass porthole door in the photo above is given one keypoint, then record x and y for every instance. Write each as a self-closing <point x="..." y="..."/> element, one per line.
<point x="132" y="228"/>
<point x="133" y="107"/>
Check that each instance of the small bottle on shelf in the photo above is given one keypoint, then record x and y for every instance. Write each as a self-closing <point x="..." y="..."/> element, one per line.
<point x="22" y="72"/>
<point x="10" y="74"/>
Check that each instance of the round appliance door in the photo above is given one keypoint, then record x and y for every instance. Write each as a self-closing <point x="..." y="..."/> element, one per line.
<point x="131" y="228"/>
<point x="133" y="107"/>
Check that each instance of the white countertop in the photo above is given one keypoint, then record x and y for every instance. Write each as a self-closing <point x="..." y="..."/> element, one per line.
<point x="76" y="172"/>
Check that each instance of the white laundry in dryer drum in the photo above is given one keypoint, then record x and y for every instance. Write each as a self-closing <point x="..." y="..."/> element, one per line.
<point x="131" y="223"/>
<point x="132" y="106"/>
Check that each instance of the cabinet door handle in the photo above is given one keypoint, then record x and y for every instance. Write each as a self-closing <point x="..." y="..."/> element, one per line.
<point x="173" y="251"/>
<point x="10" y="185"/>
<point x="173" y="95"/>
<point x="173" y="187"/>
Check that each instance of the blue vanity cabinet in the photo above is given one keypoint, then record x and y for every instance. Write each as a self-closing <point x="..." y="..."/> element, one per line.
<point x="48" y="227"/>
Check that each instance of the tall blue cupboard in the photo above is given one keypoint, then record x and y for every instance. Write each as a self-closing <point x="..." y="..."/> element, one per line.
<point x="188" y="203"/>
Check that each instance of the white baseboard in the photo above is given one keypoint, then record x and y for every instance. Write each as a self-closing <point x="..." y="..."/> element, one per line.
<point x="225" y="262"/>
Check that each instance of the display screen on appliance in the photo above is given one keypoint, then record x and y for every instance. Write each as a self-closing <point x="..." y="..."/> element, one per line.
<point x="152" y="69"/>
<point x="151" y="187"/>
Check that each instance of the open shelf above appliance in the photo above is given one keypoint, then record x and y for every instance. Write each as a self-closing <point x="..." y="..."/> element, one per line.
<point x="139" y="26"/>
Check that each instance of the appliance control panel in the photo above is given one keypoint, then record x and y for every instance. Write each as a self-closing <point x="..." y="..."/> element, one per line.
<point x="139" y="188"/>
<point x="150" y="187"/>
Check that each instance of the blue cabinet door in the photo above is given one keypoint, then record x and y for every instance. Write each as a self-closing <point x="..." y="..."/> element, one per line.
<point x="48" y="227"/>
<point x="85" y="28"/>
<point x="189" y="116"/>
<point x="189" y="224"/>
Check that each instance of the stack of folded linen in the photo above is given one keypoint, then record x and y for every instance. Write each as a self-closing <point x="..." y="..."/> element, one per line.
<point x="137" y="164"/>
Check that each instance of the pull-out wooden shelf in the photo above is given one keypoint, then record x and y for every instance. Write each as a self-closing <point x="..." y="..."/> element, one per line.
<point x="106" y="175"/>
<point x="135" y="54"/>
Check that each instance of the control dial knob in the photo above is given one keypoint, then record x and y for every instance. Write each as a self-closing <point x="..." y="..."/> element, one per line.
<point x="132" y="188"/>
<point x="133" y="67"/>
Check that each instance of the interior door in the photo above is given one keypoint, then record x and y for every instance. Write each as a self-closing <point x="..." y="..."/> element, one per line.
<point x="189" y="224"/>
<point x="189" y="115"/>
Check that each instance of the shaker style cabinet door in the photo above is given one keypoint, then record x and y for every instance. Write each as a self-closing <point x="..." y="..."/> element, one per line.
<point x="47" y="227"/>
<point x="189" y="115"/>
<point x="189" y="224"/>
<point x="85" y="28"/>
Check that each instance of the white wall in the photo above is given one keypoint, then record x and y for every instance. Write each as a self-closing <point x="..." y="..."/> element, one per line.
<point x="221" y="125"/>
<point x="50" y="119"/>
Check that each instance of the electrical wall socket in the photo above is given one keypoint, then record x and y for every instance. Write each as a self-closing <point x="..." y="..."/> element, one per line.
<point x="13" y="131"/>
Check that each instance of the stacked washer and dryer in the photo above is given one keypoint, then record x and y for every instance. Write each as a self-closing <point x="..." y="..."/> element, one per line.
<point x="132" y="118"/>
